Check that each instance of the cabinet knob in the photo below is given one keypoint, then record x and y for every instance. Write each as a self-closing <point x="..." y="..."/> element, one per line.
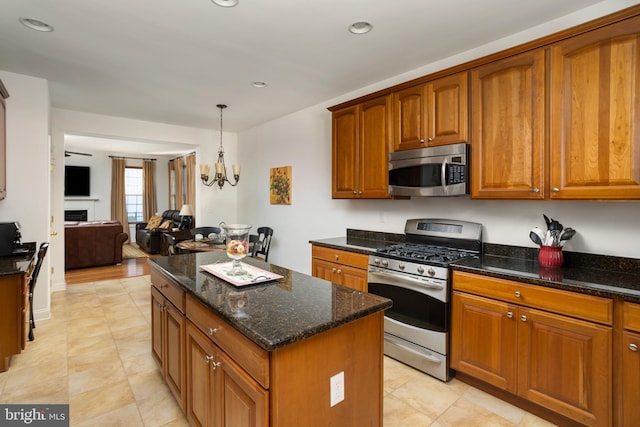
<point x="214" y="365"/>
<point x="555" y="189"/>
<point x="339" y="271"/>
<point x="633" y="347"/>
<point x="359" y="193"/>
<point x="535" y="190"/>
<point x="422" y="141"/>
<point x="208" y="359"/>
<point x="509" y="314"/>
<point x="355" y="192"/>
<point x="517" y="294"/>
<point x="429" y="139"/>
<point x="213" y="331"/>
<point x="523" y="318"/>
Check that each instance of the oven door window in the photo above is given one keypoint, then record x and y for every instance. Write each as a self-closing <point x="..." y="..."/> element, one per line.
<point x="425" y="175"/>
<point x="413" y="308"/>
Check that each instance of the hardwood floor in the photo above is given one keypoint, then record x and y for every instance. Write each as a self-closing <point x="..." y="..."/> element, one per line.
<point x="128" y="268"/>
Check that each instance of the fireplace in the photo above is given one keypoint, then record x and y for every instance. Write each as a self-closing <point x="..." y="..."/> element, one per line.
<point x="75" y="215"/>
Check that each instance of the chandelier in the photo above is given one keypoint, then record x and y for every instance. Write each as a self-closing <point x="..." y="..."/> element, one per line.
<point x="220" y="176"/>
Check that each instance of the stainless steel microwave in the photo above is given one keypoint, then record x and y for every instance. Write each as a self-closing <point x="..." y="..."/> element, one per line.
<point x="442" y="170"/>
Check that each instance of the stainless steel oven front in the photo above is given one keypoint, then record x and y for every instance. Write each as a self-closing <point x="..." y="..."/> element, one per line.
<point x="416" y="326"/>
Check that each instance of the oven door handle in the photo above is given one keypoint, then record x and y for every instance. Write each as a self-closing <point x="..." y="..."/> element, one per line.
<point x="398" y="281"/>
<point x="397" y="343"/>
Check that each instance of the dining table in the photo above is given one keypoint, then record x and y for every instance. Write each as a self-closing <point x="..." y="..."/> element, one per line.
<point x="203" y="245"/>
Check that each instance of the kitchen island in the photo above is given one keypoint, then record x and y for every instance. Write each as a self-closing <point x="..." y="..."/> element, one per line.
<point x="293" y="351"/>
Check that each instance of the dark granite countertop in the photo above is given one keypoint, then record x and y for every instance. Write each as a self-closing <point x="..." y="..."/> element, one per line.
<point x="611" y="277"/>
<point x="277" y="313"/>
<point x="18" y="263"/>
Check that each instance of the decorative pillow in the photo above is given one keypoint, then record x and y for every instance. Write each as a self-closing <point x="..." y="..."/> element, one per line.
<point x="167" y="224"/>
<point x="154" y="222"/>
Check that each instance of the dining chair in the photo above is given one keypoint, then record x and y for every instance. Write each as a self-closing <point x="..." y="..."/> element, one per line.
<point x="205" y="231"/>
<point x="262" y="242"/>
<point x="42" y="252"/>
<point x="170" y="241"/>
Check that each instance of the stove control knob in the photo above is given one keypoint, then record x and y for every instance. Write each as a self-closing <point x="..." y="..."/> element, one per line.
<point x="385" y="263"/>
<point x="376" y="261"/>
<point x="420" y="269"/>
<point x="431" y="272"/>
<point x="401" y="266"/>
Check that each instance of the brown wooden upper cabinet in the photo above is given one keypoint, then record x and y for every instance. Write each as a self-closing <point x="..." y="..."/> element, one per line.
<point x="595" y="114"/>
<point x="433" y="113"/>
<point x="361" y="144"/>
<point x="508" y="128"/>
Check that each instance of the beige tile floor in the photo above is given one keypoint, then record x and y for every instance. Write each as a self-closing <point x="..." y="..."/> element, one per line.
<point x="94" y="353"/>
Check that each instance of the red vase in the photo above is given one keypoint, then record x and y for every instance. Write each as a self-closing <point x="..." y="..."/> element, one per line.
<point x="550" y="256"/>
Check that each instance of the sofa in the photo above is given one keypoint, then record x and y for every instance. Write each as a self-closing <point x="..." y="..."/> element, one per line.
<point x="93" y="243"/>
<point x="149" y="234"/>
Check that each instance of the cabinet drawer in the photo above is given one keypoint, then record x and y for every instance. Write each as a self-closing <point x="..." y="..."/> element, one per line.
<point x="341" y="257"/>
<point x="242" y="350"/>
<point x="581" y="306"/>
<point x="632" y="316"/>
<point x="167" y="288"/>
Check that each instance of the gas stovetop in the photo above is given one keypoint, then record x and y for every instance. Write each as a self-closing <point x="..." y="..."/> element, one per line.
<point x="425" y="253"/>
<point x="436" y="242"/>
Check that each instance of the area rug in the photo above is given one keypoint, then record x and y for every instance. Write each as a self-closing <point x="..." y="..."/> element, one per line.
<point x="132" y="251"/>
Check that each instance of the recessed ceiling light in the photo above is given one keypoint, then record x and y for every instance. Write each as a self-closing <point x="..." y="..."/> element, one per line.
<point x="360" y="27"/>
<point x="258" y="84"/>
<point x="34" y="24"/>
<point x="226" y="3"/>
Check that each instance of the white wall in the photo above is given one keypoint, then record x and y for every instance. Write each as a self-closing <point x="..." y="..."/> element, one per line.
<point x="303" y="140"/>
<point x="28" y="178"/>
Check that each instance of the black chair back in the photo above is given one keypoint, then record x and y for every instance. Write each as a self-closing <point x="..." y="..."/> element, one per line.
<point x="263" y="242"/>
<point x="205" y="231"/>
<point x="42" y="252"/>
<point x="171" y="244"/>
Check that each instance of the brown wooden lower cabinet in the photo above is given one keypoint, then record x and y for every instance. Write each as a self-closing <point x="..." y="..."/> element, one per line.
<point x="556" y="361"/>
<point x="13" y="316"/>
<point x="630" y="356"/>
<point x="340" y="267"/>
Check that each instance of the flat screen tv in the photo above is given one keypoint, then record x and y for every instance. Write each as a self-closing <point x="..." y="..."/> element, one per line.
<point x="77" y="181"/>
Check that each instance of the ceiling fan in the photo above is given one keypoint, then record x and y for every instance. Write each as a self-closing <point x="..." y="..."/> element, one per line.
<point x="69" y="153"/>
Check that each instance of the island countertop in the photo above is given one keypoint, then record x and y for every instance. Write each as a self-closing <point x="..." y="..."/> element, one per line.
<point x="275" y="313"/>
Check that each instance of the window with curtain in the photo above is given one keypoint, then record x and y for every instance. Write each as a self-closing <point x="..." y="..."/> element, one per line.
<point x="134" y="195"/>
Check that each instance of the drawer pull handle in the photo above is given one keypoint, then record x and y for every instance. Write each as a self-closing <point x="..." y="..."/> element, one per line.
<point x="517" y="294"/>
<point x="337" y="257"/>
<point x="339" y="271"/>
<point x="509" y="314"/>
<point x="214" y="365"/>
<point x="208" y="359"/>
<point x="633" y="347"/>
<point x="523" y="318"/>
<point x="213" y="330"/>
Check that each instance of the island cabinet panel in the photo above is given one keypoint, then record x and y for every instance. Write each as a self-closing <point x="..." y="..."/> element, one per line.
<point x="13" y="326"/>
<point x="433" y="113"/>
<point x="308" y="365"/>
<point x="505" y="335"/>
<point x="341" y="267"/>
<point x="508" y="128"/>
<point x="629" y="352"/>
<point x="361" y="144"/>
<point x="219" y="392"/>
<point x="246" y="353"/>
<point x="595" y="114"/>
<point x="168" y="342"/>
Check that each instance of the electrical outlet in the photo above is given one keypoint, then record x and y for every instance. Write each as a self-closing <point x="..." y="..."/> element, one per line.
<point x="337" y="388"/>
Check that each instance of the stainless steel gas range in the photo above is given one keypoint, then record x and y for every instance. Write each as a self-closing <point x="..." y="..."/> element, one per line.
<point x="415" y="276"/>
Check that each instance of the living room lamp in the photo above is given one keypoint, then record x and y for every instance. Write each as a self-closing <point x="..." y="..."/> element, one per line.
<point x="220" y="167"/>
<point x="186" y="217"/>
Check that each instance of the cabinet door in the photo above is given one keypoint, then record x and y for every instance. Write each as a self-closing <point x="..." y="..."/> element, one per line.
<point x="564" y="364"/>
<point x="375" y="141"/>
<point x="351" y="277"/>
<point x="630" y="379"/>
<point x="323" y="269"/>
<point x="174" y="363"/>
<point x="200" y="378"/>
<point x="448" y="110"/>
<point x="508" y="128"/>
<point x="410" y="118"/>
<point x="157" y="327"/>
<point x="243" y="403"/>
<point x="595" y="114"/>
<point x="483" y="339"/>
<point x="345" y="153"/>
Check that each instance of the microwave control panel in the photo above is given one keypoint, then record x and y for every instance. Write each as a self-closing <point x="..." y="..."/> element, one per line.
<point x="456" y="173"/>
